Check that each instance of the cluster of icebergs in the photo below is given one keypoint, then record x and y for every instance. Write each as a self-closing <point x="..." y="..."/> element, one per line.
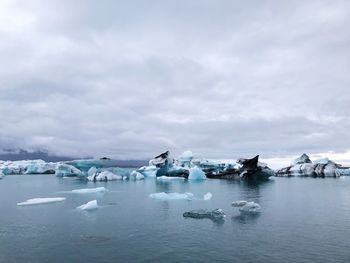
<point x="165" y="168"/>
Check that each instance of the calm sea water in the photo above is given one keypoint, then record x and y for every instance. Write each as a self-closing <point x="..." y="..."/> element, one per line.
<point x="302" y="220"/>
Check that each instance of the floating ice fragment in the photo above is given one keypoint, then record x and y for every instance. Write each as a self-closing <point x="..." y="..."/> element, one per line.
<point x="38" y="201"/>
<point x="148" y="171"/>
<point x="168" y="178"/>
<point x="247" y="207"/>
<point x="196" y="174"/>
<point x="215" y="215"/>
<point x="90" y="190"/>
<point x="92" y="205"/>
<point x="64" y="170"/>
<point x="172" y="196"/>
<point x="207" y="196"/>
<point x="239" y="203"/>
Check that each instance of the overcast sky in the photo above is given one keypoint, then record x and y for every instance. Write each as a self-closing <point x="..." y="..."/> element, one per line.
<point x="129" y="79"/>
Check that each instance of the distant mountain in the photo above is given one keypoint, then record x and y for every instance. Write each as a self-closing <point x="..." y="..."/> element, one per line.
<point x="17" y="155"/>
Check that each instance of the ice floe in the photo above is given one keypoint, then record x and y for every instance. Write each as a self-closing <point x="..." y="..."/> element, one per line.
<point x="216" y="214"/>
<point x="167" y="178"/>
<point x="207" y="196"/>
<point x="104" y="176"/>
<point x="90" y="190"/>
<point x="92" y="205"/>
<point x="247" y="207"/>
<point x="172" y="196"/>
<point x="66" y="170"/>
<point x="38" y="201"/>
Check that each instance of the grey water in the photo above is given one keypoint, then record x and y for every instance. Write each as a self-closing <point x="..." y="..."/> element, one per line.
<point x="302" y="220"/>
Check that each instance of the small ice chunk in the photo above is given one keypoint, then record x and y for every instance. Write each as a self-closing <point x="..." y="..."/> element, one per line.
<point x="207" y="196"/>
<point x="239" y="203"/>
<point x="38" y="201"/>
<point x="172" y="196"/>
<point x="247" y="207"/>
<point x="196" y="174"/>
<point x="92" y="205"/>
<point x="90" y="190"/>
<point x="215" y="215"/>
<point x="170" y="178"/>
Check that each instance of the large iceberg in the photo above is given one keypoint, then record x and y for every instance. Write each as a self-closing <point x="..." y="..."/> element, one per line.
<point x="104" y="176"/>
<point x="38" y="201"/>
<point x="303" y="166"/>
<point x="27" y="167"/>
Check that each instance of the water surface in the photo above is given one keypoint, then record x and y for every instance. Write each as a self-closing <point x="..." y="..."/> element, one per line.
<point x="302" y="220"/>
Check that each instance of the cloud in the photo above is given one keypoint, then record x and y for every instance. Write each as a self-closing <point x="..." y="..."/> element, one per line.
<point x="130" y="79"/>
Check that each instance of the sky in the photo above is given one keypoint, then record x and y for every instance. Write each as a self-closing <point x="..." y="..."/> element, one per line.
<point x="129" y="79"/>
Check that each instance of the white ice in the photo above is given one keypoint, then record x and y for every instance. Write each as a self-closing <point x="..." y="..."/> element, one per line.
<point x="90" y="190"/>
<point x="168" y="178"/>
<point x="247" y="207"/>
<point x="148" y="171"/>
<point x="38" y="201"/>
<point x="104" y="176"/>
<point x="136" y="176"/>
<point x="196" y="174"/>
<point x="63" y="169"/>
<point x="185" y="159"/>
<point x="207" y="196"/>
<point x="172" y="196"/>
<point x="92" y="205"/>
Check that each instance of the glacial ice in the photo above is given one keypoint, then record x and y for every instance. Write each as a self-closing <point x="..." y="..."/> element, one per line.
<point x="172" y="196"/>
<point x="38" y="201"/>
<point x="40" y="167"/>
<point x="185" y="159"/>
<point x="104" y="176"/>
<point x="136" y="176"/>
<point x="207" y="196"/>
<point x="168" y="178"/>
<point x="66" y="170"/>
<point x="148" y="171"/>
<point x="90" y="190"/>
<point x="1" y="174"/>
<point x="92" y="205"/>
<point x="215" y="215"/>
<point x="196" y="174"/>
<point x="26" y="167"/>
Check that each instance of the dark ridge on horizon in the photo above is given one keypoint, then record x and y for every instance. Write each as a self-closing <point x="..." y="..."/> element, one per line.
<point x="18" y="155"/>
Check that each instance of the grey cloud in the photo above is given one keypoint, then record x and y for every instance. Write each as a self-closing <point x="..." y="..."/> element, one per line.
<point x="129" y="79"/>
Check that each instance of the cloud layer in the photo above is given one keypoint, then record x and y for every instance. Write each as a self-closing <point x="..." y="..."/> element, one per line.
<point x="129" y="79"/>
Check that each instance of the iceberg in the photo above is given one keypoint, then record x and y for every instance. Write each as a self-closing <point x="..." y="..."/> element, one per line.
<point x="1" y="174"/>
<point x="136" y="176"/>
<point x="148" y="171"/>
<point x="104" y="176"/>
<point x="66" y="170"/>
<point x="239" y="203"/>
<point x="215" y="215"/>
<point x="172" y="196"/>
<point x="207" y="196"/>
<point x="26" y="167"/>
<point x="196" y="174"/>
<point x="90" y="190"/>
<point x="185" y="159"/>
<point x="38" y="201"/>
<point x="40" y="167"/>
<point x="92" y="205"/>
<point x="303" y="166"/>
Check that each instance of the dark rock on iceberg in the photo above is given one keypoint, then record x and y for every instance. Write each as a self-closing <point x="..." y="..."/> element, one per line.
<point x="215" y="215"/>
<point x="250" y="169"/>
